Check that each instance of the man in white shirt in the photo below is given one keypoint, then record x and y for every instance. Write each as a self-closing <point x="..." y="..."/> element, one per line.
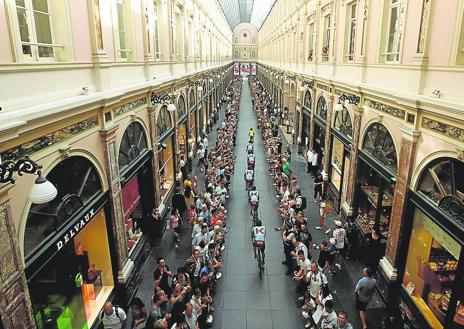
<point x="314" y="163"/>
<point x="205" y="144"/>
<point x="113" y="317"/>
<point x="309" y="159"/>
<point x="339" y="235"/>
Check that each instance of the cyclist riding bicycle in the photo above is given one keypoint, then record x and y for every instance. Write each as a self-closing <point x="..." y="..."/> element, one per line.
<point x="253" y="197"/>
<point x="251" y="161"/>
<point x="258" y="236"/>
<point x="251" y="134"/>
<point x="249" y="148"/>
<point x="249" y="177"/>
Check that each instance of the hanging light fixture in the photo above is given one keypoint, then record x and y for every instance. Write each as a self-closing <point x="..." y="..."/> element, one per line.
<point x="171" y="107"/>
<point x="42" y="191"/>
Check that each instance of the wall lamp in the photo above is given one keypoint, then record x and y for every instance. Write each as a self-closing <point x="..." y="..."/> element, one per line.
<point x="162" y="146"/>
<point x="42" y="191"/>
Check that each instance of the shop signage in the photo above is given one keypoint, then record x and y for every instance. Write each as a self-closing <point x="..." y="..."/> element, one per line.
<point x="79" y="225"/>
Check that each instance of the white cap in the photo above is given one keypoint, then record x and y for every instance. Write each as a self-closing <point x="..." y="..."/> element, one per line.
<point x="338" y="223"/>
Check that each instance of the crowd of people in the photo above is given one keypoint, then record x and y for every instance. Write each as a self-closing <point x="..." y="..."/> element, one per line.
<point x="184" y="298"/>
<point x="309" y="274"/>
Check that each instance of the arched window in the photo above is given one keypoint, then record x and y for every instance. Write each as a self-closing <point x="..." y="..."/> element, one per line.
<point x="307" y="100"/>
<point x="164" y="120"/>
<point x="133" y="142"/>
<point x="181" y="107"/>
<point x="342" y="123"/>
<point x="443" y="183"/>
<point x="191" y="98"/>
<point x="321" y="109"/>
<point x="379" y="143"/>
<point x="77" y="182"/>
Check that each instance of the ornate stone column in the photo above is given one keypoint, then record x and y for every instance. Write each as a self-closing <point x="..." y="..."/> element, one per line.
<point x="405" y="166"/>
<point x="15" y="305"/>
<point x="327" y="152"/>
<point x="154" y="142"/>
<point x="347" y="206"/>
<point x="125" y="265"/>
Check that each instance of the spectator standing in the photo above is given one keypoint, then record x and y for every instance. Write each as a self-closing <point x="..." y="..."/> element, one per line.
<point x="339" y="235"/>
<point x="138" y="314"/>
<point x="206" y="144"/>
<point x="113" y="317"/>
<point x="183" y="167"/>
<point x="322" y="214"/>
<point x="309" y="160"/>
<point x="161" y="276"/>
<point x="318" y="184"/>
<point x="329" y="317"/>
<point x="315" y="166"/>
<point x="178" y="202"/>
<point x="342" y="321"/>
<point x="364" y="291"/>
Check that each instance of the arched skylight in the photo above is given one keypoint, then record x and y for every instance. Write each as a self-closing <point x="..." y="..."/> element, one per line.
<point x="246" y="11"/>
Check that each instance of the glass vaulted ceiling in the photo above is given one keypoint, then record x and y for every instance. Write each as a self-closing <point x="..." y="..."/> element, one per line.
<point x="246" y="11"/>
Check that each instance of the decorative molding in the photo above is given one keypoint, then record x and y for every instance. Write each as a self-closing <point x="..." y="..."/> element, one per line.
<point x="324" y="87"/>
<point x="49" y="139"/>
<point x="120" y="110"/>
<point x="443" y="128"/>
<point x="460" y="154"/>
<point x="452" y="206"/>
<point x="396" y="112"/>
<point x="388" y="269"/>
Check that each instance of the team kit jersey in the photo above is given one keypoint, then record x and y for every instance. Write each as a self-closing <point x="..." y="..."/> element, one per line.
<point x="254" y="196"/>
<point x="249" y="175"/>
<point x="259" y="233"/>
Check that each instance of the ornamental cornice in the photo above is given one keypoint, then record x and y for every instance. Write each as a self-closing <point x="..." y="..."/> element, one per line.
<point x="393" y="111"/>
<point x="442" y="128"/>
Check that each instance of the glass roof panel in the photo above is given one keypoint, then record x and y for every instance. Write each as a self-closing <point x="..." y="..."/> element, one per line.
<point x="246" y="11"/>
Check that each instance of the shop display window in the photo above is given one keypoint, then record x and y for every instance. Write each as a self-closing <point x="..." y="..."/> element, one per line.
<point x="305" y="129"/>
<point x="182" y="140"/>
<point x="379" y="144"/>
<point x="166" y="167"/>
<point x="133" y="143"/>
<point x="319" y="143"/>
<point x="343" y="124"/>
<point x="78" y="183"/>
<point x="133" y="213"/>
<point x="163" y="122"/>
<point x="336" y="162"/>
<point x="307" y="100"/>
<point x="192" y="131"/>
<point x="443" y="183"/>
<point x="375" y="200"/>
<point x="430" y="271"/>
<point x="70" y="290"/>
<point x="321" y="109"/>
<point x="181" y="108"/>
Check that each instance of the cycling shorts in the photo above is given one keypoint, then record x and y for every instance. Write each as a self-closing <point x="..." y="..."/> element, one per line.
<point x="259" y="244"/>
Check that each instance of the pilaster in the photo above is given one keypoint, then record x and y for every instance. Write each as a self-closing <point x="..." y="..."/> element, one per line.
<point x="15" y="302"/>
<point x="327" y="150"/>
<point x="347" y="205"/>
<point x="405" y="165"/>
<point x="108" y="136"/>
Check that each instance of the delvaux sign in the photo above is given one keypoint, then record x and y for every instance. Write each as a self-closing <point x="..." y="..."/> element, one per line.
<point x="57" y="241"/>
<point x="75" y="229"/>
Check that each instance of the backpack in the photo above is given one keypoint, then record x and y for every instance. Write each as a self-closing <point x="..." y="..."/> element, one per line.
<point x="116" y="307"/>
<point x="304" y="203"/>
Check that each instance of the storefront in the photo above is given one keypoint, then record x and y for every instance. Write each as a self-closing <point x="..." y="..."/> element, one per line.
<point x="69" y="254"/>
<point x="341" y="138"/>
<point x="432" y="286"/>
<point x="306" y="120"/>
<point x="166" y="160"/>
<point x="377" y="169"/>
<point x="182" y="128"/>
<point x="320" y="122"/>
<point x="193" y="123"/>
